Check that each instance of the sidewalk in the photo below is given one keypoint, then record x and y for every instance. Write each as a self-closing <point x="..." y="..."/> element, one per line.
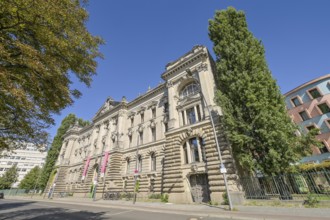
<point x="203" y="210"/>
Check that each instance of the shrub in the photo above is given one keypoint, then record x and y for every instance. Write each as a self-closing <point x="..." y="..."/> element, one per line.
<point x="164" y="198"/>
<point x="225" y="199"/>
<point x="311" y="201"/>
<point x="155" y="196"/>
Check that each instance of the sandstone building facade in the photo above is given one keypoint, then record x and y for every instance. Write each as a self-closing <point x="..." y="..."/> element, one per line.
<point x="163" y="139"/>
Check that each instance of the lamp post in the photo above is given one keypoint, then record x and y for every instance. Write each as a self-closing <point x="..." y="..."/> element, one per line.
<point x="222" y="167"/>
<point x="136" y="171"/>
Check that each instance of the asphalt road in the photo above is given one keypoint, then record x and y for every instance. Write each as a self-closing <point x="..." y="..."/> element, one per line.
<point x="43" y="210"/>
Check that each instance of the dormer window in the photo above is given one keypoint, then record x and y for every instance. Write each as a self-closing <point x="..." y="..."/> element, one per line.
<point x="189" y="90"/>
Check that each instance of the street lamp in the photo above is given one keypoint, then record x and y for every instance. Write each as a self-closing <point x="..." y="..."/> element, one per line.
<point x="136" y="171"/>
<point x="222" y="167"/>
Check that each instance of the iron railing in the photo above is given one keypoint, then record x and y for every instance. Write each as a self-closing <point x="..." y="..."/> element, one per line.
<point x="296" y="186"/>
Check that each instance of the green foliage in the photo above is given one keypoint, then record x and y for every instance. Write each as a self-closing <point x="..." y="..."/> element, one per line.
<point x="8" y="178"/>
<point x="155" y="196"/>
<point x="311" y="201"/>
<point x="255" y="117"/>
<point x="41" y="43"/>
<point x="31" y="179"/>
<point x="164" y="198"/>
<point x="55" y="149"/>
<point x="137" y="186"/>
<point x="225" y="199"/>
<point x="325" y="165"/>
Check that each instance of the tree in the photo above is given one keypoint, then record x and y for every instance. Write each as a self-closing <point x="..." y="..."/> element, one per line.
<point x="9" y="178"/>
<point x="31" y="179"/>
<point x="255" y="118"/>
<point x="55" y="148"/>
<point x="41" y="42"/>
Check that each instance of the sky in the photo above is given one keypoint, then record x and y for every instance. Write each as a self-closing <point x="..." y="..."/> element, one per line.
<point x="143" y="36"/>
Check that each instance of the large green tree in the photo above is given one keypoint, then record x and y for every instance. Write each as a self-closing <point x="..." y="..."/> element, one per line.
<point x="255" y="118"/>
<point x="41" y="43"/>
<point x="31" y="179"/>
<point x="9" y="178"/>
<point x="55" y="148"/>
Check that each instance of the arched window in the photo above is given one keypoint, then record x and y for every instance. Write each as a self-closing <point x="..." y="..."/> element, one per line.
<point x="193" y="151"/>
<point x="153" y="161"/>
<point x="189" y="90"/>
<point x="140" y="163"/>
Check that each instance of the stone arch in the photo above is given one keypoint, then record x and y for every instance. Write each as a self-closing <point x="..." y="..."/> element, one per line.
<point x="191" y="133"/>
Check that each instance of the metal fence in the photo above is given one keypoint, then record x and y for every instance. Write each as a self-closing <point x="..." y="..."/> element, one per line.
<point x="288" y="187"/>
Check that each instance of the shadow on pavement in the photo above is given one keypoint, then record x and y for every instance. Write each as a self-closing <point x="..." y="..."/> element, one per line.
<point x="51" y="214"/>
<point x="6" y="206"/>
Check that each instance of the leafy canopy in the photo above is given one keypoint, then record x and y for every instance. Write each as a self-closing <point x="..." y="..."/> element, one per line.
<point x="31" y="179"/>
<point x="41" y="42"/>
<point x="256" y="121"/>
<point x="9" y="178"/>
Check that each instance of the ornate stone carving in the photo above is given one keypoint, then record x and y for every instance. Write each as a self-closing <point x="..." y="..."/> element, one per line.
<point x="169" y="84"/>
<point x="140" y="128"/>
<point x="130" y="132"/>
<point x="152" y="123"/>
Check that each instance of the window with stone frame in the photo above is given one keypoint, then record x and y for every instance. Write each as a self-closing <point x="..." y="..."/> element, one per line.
<point x="132" y="121"/>
<point x="310" y="127"/>
<point x="141" y="137"/>
<point x="324" y="149"/>
<point x="153" y="161"/>
<point x="304" y="116"/>
<point x="295" y="101"/>
<point x="153" y="112"/>
<point x="193" y="150"/>
<point x="324" y="108"/>
<point x="314" y="93"/>
<point x="191" y="115"/>
<point x="165" y="126"/>
<point x="139" y="163"/>
<point x="128" y="165"/>
<point x="130" y="140"/>
<point x="142" y="117"/>
<point x="153" y="134"/>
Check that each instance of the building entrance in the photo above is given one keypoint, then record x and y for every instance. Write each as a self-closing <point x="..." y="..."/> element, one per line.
<point x="199" y="188"/>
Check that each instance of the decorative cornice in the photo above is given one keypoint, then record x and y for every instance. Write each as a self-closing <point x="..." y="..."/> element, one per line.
<point x="182" y="63"/>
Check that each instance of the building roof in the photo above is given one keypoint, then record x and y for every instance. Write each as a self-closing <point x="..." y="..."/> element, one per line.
<point x="307" y="84"/>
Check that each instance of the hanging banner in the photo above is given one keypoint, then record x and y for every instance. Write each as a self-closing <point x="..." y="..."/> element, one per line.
<point x="85" y="168"/>
<point x="104" y="164"/>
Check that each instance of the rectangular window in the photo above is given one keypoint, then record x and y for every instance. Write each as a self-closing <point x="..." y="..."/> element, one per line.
<point x="142" y="117"/>
<point x="303" y="115"/>
<point x="141" y="137"/>
<point x="314" y="93"/>
<point x="183" y="118"/>
<point x="166" y="107"/>
<point x="198" y="113"/>
<point x="324" y="149"/>
<point x="166" y="126"/>
<point x="185" y="154"/>
<point x="153" y="111"/>
<point x="191" y="115"/>
<point x="153" y="134"/>
<point x="324" y="108"/>
<point x="194" y="150"/>
<point x="130" y="140"/>
<point x="310" y="127"/>
<point x="296" y="101"/>
<point x="132" y="121"/>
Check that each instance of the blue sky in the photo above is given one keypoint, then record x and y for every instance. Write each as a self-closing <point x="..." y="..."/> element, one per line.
<point x="143" y="36"/>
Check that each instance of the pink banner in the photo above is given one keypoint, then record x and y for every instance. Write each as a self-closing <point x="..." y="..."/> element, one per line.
<point x="104" y="164"/>
<point x="86" y="168"/>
